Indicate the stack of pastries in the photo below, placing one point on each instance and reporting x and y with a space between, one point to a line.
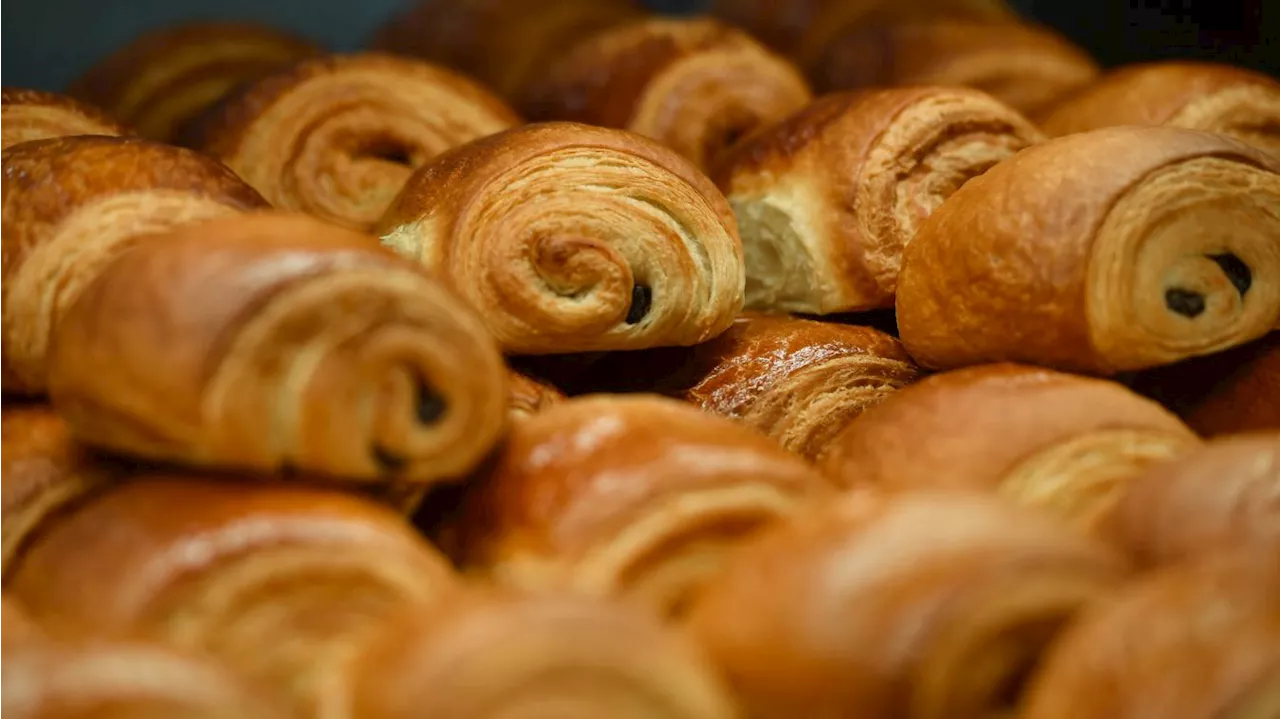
333 388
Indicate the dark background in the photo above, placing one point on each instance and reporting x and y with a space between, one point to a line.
46 43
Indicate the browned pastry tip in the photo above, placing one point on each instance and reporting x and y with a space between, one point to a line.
1065 443
504 43
338 136
71 205
827 199
288 344
1222 496
29 115
163 81
1024 66
508 655
694 84
924 605
529 396
1196 95
572 238
103 679
279 583
1200 641
1112 250
634 496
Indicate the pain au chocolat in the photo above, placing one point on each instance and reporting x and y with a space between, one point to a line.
34 115
1101 252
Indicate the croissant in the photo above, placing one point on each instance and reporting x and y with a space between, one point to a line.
1194 642
1195 95
97 679
529 396
1217 498
33 115
1111 250
633 496
19 629
280 583
288 344
571 238
921 605
337 137
695 84
1024 66
71 205
504 43
1066 443
528 656
163 81
826 200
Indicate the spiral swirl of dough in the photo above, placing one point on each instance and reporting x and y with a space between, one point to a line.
575 238
337 137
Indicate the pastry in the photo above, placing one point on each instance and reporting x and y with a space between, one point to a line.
125 680
827 199
19 629
1106 251
1195 95
1194 642
73 204
547 655
279 583
693 84
1217 498
571 238
529 396
288 344
1042 438
917 605
163 81
337 137
34 115
631 496
504 43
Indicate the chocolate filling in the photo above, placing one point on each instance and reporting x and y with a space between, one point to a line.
1235 270
431 406
641 299
1184 302
388 151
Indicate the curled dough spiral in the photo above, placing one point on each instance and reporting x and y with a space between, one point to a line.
1106 251
918 605
1195 642
633 496
1195 95
695 85
573 238
482 653
73 204
33 115
162 81
287 344
337 137
827 199
1065 443
278 583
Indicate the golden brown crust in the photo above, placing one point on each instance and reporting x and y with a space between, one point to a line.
338 136
288 344
162 81
694 84
277 582
504 43
1043 438
71 205
19 630
34 115
1194 95
1169 253
827 199
1025 66
623 495
627 246
922 605
508 655
1217 498
529 396
1193 642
